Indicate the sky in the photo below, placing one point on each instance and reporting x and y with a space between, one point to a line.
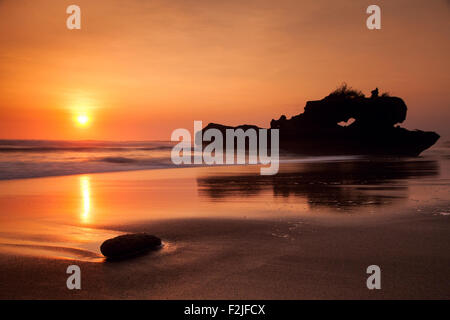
137 70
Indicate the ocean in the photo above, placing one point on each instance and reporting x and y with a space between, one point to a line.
40 158
20 159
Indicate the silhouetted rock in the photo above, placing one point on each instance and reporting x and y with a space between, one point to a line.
374 129
129 245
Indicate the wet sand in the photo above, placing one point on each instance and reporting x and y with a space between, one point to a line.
308 233
236 259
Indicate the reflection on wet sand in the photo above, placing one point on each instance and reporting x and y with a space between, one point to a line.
264 234
86 198
52 231
69 217
347 184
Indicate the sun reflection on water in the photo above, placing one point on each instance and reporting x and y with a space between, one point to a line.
86 198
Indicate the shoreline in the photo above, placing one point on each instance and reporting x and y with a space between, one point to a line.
286 160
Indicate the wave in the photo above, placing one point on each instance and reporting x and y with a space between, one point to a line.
60 252
118 160
41 158
38 146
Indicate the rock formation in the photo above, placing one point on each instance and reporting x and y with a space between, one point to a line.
374 127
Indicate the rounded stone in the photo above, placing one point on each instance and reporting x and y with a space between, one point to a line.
129 245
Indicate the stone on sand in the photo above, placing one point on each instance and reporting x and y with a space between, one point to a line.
129 245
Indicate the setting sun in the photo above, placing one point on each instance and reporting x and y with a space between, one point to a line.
82 120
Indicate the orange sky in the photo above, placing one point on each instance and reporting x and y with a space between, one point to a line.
141 69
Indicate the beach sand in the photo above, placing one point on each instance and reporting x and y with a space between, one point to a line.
308 233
